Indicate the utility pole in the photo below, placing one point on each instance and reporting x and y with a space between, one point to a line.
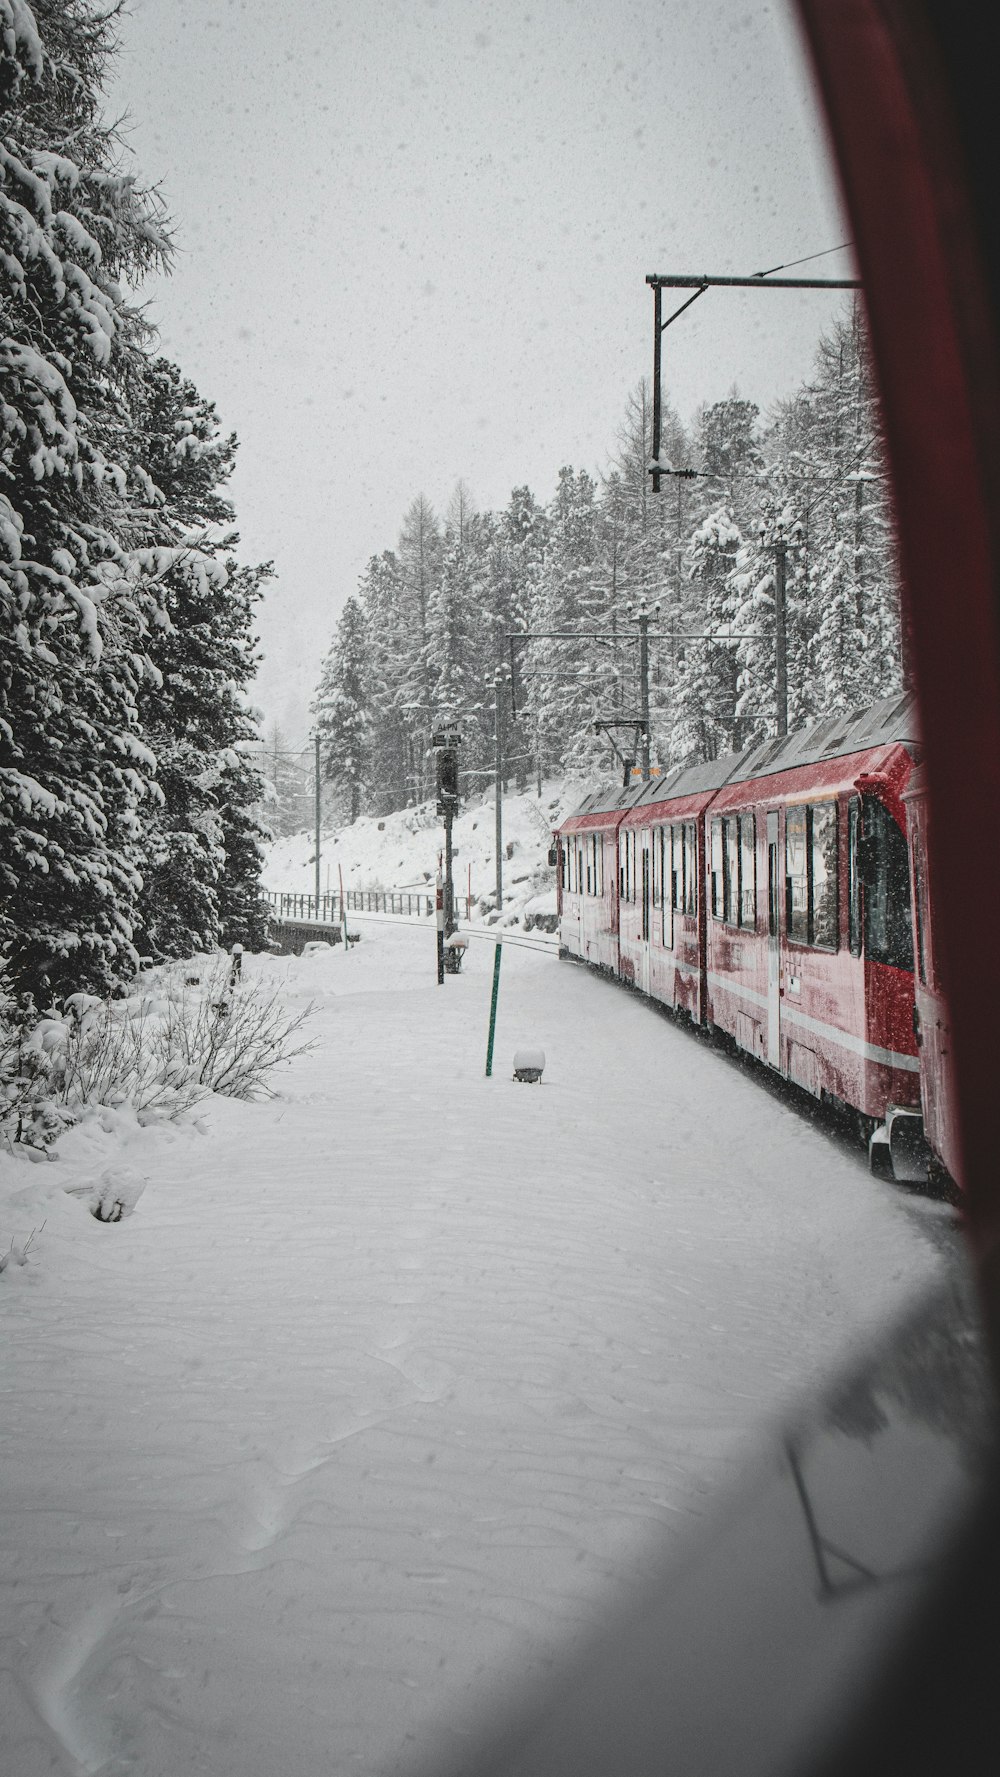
642 617
318 815
780 634
642 614
780 546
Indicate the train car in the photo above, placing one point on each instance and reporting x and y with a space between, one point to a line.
809 947
931 1023
661 872
587 877
767 895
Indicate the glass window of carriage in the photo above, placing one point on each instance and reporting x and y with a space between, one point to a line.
885 872
797 875
824 928
748 872
690 868
854 875
718 869
731 873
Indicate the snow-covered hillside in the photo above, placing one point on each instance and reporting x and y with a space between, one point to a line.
401 852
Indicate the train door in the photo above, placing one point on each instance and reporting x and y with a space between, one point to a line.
773 943
647 892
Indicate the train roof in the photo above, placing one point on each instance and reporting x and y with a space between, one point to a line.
607 799
891 720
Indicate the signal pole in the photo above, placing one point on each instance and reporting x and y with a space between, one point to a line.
446 741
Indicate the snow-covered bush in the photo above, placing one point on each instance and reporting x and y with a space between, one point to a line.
230 1039
158 1052
173 1044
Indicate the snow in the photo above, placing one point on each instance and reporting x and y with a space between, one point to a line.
387 1383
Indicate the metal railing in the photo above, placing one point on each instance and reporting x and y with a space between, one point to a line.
329 909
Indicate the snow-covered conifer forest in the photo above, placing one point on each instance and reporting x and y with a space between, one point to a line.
127 786
420 643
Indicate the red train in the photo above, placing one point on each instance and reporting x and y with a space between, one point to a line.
773 896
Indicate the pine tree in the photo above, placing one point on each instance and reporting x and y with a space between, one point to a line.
283 772
392 768
341 707
419 555
129 639
573 678
75 772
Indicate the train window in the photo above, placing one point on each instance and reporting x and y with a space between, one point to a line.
718 869
628 864
731 870
657 840
748 871
796 876
823 910
854 876
888 926
690 868
599 863
677 868
589 875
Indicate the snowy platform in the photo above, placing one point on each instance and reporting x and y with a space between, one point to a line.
386 1385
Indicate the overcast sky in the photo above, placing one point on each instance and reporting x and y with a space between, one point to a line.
412 241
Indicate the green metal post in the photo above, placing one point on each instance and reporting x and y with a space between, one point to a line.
493 1009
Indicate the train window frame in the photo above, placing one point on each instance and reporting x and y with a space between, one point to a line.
656 845
747 905
803 818
731 870
896 909
855 927
797 912
717 870
827 812
690 843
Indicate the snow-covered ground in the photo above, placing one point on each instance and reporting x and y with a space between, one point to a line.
388 1382
401 851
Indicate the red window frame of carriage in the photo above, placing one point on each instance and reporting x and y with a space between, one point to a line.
905 89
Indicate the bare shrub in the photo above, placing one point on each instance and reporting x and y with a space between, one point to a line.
167 1050
231 1036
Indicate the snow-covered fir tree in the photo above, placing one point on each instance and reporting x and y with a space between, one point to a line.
75 772
284 769
342 707
102 475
